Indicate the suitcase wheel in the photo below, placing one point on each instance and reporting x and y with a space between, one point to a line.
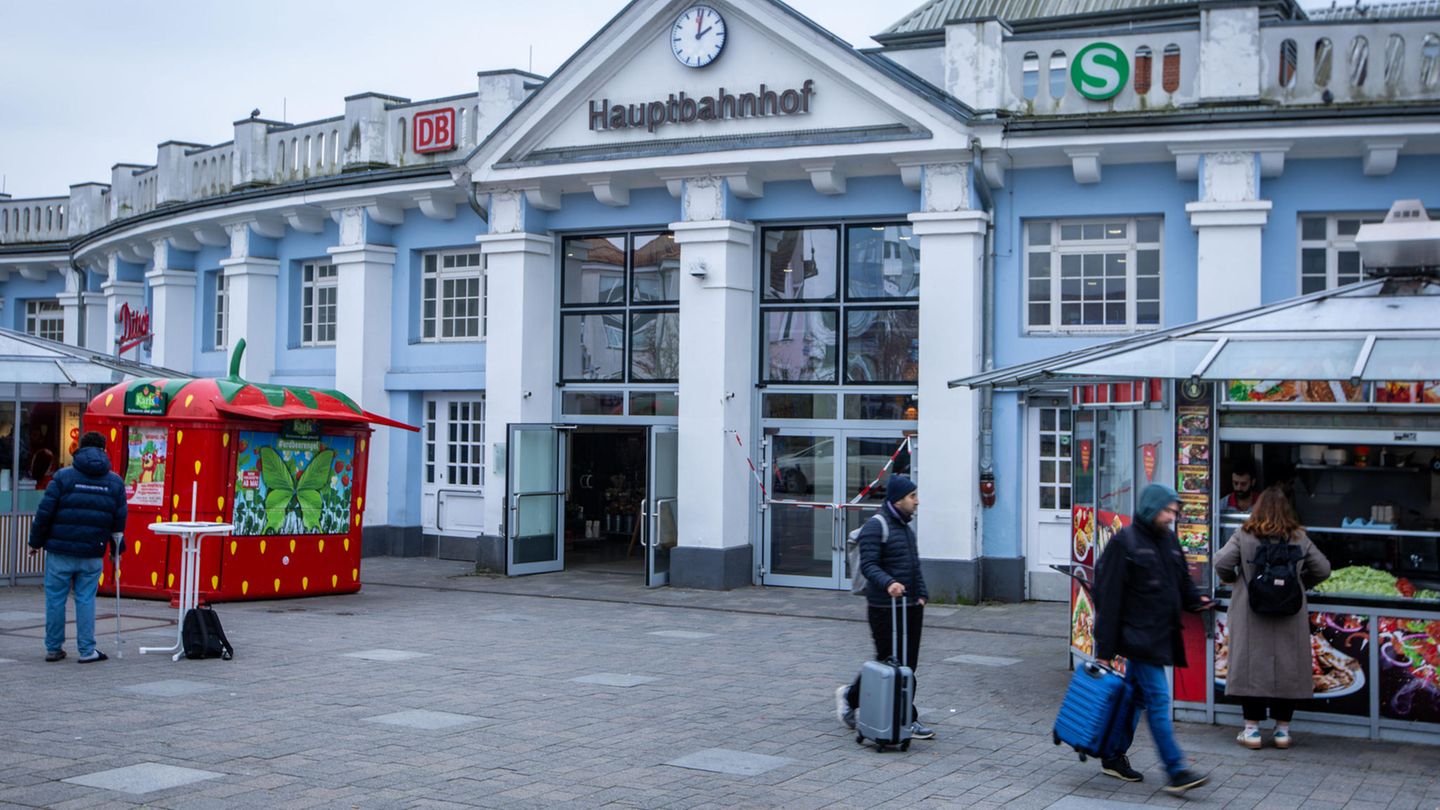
905 746
879 748
1081 755
860 739
1055 737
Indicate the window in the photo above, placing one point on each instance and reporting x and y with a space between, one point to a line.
455 441
319 289
1053 454
1092 275
222 312
45 319
620 308
1328 256
453 302
840 298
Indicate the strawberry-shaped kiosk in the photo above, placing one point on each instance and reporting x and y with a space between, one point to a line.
286 465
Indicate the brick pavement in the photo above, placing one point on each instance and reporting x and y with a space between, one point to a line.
491 713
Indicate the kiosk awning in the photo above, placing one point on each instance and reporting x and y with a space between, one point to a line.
1378 330
25 358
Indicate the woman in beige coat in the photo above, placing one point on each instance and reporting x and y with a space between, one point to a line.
1270 659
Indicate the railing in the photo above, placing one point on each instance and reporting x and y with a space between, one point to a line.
209 171
15 560
310 150
1351 63
32 220
1163 70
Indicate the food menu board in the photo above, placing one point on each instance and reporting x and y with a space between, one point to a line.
1194 420
1410 669
1340 663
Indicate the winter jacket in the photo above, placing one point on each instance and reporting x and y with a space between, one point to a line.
896 559
83 505
1269 656
1142 588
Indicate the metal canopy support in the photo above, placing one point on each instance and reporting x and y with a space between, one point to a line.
1362 360
1209 358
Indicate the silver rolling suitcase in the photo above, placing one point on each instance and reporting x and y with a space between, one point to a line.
887 691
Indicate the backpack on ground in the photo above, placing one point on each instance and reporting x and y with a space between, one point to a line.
852 552
203 636
1276 590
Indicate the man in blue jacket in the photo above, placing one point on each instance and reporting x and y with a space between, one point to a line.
890 560
83 507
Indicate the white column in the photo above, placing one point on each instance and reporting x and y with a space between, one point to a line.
520 369
117 294
92 307
952 245
250 286
717 332
173 295
1228 220
71 308
362 342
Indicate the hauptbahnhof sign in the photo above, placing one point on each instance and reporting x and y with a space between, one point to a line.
682 108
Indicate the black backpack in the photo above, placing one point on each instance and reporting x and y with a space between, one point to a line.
1276 590
203 636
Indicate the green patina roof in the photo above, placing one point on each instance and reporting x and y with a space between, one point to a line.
933 15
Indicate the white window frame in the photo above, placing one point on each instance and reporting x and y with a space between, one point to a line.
467 264
461 451
220 305
1334 244
316 279
1064 454
45 318
1058 248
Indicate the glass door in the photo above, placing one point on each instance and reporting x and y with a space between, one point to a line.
801 511
869 462
535 499
661 531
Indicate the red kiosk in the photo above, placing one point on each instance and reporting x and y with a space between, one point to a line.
285 465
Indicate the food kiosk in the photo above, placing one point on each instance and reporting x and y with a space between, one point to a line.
285 465
1346 421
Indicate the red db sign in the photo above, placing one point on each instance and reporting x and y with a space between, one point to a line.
435 130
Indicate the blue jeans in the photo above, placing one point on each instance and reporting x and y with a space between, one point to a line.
62 573
1152 694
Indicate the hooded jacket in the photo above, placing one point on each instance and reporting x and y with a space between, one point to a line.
893 559
1142 588
83 505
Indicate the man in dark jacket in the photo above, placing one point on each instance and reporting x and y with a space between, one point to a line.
890 560
83 509
1142 587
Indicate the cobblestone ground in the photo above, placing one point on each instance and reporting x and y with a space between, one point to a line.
433 688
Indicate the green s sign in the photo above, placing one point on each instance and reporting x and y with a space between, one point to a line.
1099 71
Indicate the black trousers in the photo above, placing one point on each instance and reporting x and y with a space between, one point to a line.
880 631
1282 709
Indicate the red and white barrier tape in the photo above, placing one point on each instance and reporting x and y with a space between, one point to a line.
888 464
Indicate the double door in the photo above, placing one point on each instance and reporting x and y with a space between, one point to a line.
820 486
536 465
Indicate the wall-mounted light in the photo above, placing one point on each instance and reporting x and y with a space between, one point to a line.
699 269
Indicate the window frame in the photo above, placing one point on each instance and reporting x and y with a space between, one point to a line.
442 274
1057 248
1333 244
1057 486
220 310
311 287
42 311
626 307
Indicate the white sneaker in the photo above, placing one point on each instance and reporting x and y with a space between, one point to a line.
1250 738
1282 738
843 712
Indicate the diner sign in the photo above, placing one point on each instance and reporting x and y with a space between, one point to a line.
134 327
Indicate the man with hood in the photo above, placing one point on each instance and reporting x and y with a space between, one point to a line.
83 508
1142 586
890 561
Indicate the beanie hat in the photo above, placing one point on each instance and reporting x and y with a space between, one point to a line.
898 487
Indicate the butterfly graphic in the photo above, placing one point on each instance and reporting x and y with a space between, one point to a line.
301 494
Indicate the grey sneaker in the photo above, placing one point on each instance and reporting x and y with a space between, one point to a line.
54 655
843 711
920 731
1185 780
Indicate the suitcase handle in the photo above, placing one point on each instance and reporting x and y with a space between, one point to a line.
897 652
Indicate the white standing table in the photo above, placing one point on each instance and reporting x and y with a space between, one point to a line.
190 533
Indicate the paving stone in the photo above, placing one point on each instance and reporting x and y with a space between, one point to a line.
13 616
145 777
685 634
613 679
423 719
982 660
174 687
387 655
735 763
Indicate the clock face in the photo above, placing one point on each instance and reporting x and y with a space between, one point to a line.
698 36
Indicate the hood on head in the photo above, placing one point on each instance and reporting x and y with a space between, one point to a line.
1152 499
92 461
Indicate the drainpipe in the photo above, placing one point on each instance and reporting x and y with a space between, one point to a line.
987 335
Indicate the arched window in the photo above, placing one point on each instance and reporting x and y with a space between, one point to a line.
26 229
5 221
295 164
1170 68
1324 61
1359 61
1059 66
1030 75
399 140
1144 63
280 156
334 148
1289 57
60 217
1430 61
1394 60
49 218
320 150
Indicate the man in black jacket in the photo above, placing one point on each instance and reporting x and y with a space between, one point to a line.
890 560
82 510
1142 586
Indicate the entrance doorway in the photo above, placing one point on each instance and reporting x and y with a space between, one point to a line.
598 497
452 488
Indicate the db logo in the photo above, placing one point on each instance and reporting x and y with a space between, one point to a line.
1099 71
435 130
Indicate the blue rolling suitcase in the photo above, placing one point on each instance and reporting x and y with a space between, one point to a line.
1095 717
887 691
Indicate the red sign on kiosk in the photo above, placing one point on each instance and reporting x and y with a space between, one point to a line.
434 130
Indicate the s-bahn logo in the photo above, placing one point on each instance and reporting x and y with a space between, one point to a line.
1100 71
434 130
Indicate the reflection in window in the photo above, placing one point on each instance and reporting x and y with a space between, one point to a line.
801 346
656 272
594 270
801 264
883 261
882 345
1030 75
655 345
592 346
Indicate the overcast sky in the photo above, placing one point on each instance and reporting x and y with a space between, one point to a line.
85 84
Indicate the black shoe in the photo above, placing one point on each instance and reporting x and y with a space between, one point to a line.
1185 780
54 655
93 657
1119 767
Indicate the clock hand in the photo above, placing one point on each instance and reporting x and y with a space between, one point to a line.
703 33
699 21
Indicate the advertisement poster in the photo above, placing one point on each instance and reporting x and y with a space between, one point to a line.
1340 656
288 484
1192 472
1269 391
145 468
1082 618
1082 536
1410 669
